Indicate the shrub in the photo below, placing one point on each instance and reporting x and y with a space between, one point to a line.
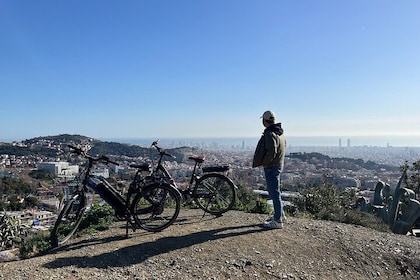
320 201
100 217
245 198
261 207
35 245
325 202
248 201
364 219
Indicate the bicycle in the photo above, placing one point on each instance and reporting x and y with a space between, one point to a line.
213 192
150 204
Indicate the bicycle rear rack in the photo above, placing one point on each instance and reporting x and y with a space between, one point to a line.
221 168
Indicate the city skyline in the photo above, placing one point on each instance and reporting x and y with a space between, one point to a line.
139 69
250 142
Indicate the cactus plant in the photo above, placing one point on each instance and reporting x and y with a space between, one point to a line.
12 232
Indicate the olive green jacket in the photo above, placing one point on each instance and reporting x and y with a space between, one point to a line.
271 148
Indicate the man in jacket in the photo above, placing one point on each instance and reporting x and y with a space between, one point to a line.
269 154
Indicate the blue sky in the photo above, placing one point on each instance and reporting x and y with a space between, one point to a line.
133 69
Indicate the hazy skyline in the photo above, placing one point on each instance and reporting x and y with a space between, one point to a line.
135 69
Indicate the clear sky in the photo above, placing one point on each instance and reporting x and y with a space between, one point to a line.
121 69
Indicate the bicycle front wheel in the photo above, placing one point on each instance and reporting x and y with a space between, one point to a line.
156 207
214 193
69 219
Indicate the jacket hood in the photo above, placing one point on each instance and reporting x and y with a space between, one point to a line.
276 128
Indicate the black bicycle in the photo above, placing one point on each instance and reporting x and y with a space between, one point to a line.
211 190
150 203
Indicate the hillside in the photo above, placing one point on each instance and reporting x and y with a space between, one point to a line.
230 247
56 146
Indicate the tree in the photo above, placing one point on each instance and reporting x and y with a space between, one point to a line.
30 202
15 204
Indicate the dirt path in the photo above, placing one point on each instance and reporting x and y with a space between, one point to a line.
233 246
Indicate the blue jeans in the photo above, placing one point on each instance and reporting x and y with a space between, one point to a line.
272 178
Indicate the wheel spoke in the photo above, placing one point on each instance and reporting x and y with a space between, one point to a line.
68 220
214 193
156 207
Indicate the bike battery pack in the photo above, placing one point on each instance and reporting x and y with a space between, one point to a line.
107 193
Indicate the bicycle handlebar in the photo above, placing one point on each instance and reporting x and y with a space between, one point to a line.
160 150
107 160
79 151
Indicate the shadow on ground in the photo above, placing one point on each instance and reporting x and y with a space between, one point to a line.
138 253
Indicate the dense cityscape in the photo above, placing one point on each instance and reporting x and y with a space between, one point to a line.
359 167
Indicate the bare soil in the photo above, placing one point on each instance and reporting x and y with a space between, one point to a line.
233 246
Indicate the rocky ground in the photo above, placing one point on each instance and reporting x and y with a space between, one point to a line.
233 246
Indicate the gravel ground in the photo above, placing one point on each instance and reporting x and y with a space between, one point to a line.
233 246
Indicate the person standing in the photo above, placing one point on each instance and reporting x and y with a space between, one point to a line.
269 154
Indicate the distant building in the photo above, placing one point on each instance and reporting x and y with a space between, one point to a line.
31 217
60 168
47 199
101 171
44 218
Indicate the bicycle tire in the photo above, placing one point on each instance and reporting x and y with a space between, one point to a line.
156 207
68 220
214 193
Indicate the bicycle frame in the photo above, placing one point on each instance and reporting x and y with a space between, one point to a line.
122 206
106 191
100 185
194 176
160 167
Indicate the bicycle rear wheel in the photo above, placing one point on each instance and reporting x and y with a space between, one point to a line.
156 207
214 193
69 219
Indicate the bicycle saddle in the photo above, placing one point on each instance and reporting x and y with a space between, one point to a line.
197 159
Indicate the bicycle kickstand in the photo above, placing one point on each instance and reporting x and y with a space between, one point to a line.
126 229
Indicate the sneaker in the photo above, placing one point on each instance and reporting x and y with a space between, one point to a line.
282 219
273 224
